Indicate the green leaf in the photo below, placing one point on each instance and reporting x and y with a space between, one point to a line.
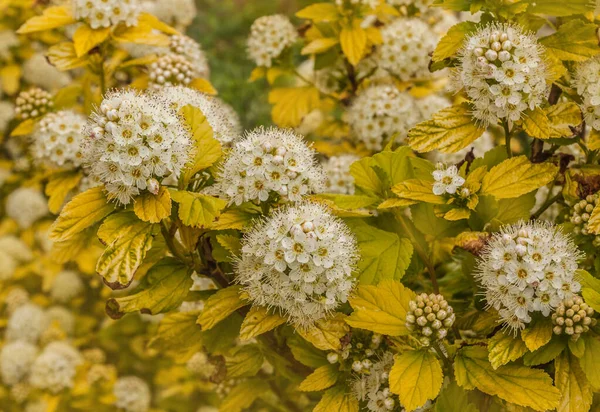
178 335
244 395
383 255
454 399
244 361
577 347
306 353
516 176
428 223
537 334
545 354
81 212
574 40
324 377
365 177
448 131
560 7
381 309
258 321
512 210
338 399
165 287
504 348
353 40
516 384
221 305
231 243
589 360
153 208
416 377
52 18
536 123
326 333
451 43
576 391
197 210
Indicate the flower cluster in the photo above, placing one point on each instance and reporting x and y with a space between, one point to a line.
359 354
54 369
573 317
66 286
431 104
374 388
57 138
447 179
132 394
26 205
580 215
170 70
299 261
269 161
12 252
26 323
339 179
33 103
429 318
134 140
190 49
16 358
502 71
106 13
587 82
528 268
269 36
379 113
405 49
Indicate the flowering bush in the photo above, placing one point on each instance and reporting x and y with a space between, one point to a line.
417 229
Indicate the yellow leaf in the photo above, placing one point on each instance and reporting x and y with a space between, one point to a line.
561 116
504 348
416 377
449 45
197 210
233 219
536 124
589 360
513 383
338 399
58 187
326 333
576 391
81 212
537 334
155 23
86 38
593 140
64 57
381 308
243 395
257 73
449 130
516 176
52 18
24 128
393 202
354 42
457 214
319 12
141 34
319 45
203 85
322 378
153 208
259 321
374 35
10 78
273 74
594 222
221 305
291 104
419 190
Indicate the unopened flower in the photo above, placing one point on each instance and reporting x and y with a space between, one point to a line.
54 369
177 13
339 179
26 205
190 49
587 82
132 394
133 138
579 215
170 70
33 103
573 317
26 323
57 138
528 268
429 318
106 13
269 36
447 179
299 261
405 49
16 358
269 161
502 71
380 113
38 71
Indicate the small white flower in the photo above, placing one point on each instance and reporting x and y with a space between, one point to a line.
54 369
26 205
57 138
339 179
374 387
15 361
586 80
106 13
269 36
132 394
447 179
66 286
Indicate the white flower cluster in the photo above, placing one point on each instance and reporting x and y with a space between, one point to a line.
16 358
502 71
170 70
587 82
374 388
379 113
269 36
54 369
26 205
299 261
339 179
447 179
57 138
26 323
177 13
405 49
12 252
431 104
528 268
132 394
66 286
106 13
15 298
134 140
267 161
190 49
33 103
37 70
222 119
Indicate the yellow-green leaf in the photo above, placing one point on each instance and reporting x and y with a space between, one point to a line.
244 395
326 333
86 38
153 208
319 45
589 360
81 212
178 335
451 43
319 12
258 321
504 347
574 40
593 140
338 399
454 399
10 78
291 104
418 190
58 187
203 85
234 219
244 361
536 123
594 222
561 116
416 377
353 40
537 334
545 354
64 57
197 210
322 378
516 176
141 34
51 18
221 305
24 128
576 391
167 284
513 383
381 308
448 131
560 7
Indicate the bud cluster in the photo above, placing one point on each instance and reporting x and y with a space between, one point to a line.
363 350
33 103
171 70
429 317
573 317
580 215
